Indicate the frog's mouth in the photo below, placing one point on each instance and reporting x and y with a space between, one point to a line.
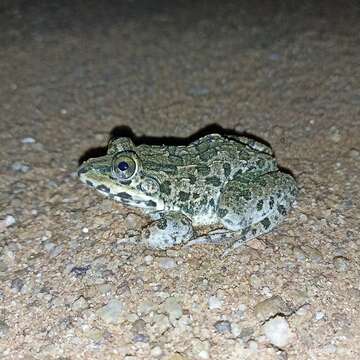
96 173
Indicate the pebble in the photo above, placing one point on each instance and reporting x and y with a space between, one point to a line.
214 302
167 263
278 131
223 326
354 154
144 308
28 140
319 315
148 259
20 167
299 253
110 313
79 271
139 326
141 338
335 134
57 250
235 329
271 307
4 329
8 221
173 308
277 331
16 285
133 221
197 90
160 323
156 351
201 349
341 263
80 304
313 254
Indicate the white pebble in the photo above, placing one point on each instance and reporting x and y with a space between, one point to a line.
148 259
28 140
173 308
8 221
214 302
167 263
110 313
277 331
319 315
85 230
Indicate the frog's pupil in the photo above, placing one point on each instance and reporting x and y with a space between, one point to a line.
123 165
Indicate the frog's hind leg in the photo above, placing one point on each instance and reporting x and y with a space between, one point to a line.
249 208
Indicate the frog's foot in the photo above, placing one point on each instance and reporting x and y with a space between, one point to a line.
171 229
218 236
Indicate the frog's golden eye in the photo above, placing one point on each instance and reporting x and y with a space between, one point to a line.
124 166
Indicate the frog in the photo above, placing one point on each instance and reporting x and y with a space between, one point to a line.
216 189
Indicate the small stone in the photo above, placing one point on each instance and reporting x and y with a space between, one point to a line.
148 259
156 351
20 167
277 331
167 263
271 307
173 308
341 263
201 349
313 254
57 250
252 345
299 253
255 281
141 338
110 313
319 315
79 271
8 221
96 335
354 154
133 221
214 302
278 131
198 90
16 285
85 230
144 308
235 329
28 140
3 266
223 326
330 348
335 134
160 323
139 326
80 304
4 329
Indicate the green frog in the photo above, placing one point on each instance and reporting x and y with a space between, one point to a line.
231 186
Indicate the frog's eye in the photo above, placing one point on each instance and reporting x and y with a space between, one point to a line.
124 166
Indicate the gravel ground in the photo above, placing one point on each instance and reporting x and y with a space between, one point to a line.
287 72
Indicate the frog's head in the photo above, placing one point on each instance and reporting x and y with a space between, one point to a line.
119 175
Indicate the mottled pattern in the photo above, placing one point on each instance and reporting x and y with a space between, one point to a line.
232 182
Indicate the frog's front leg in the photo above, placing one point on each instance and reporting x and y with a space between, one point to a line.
170 229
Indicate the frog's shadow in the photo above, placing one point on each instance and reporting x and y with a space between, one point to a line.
125 131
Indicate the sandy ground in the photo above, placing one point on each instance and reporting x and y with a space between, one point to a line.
287 72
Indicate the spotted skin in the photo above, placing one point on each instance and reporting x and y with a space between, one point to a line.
231 183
